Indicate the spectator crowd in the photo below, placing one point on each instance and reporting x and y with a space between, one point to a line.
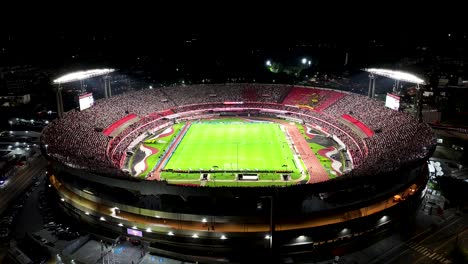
77 139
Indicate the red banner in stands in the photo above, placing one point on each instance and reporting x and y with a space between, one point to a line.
118 123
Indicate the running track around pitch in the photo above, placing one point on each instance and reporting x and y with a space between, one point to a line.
316 171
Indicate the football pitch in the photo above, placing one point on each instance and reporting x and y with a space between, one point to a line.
227 147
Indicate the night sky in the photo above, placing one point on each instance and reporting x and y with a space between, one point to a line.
374 33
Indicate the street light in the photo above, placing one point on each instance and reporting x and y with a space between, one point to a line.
304 60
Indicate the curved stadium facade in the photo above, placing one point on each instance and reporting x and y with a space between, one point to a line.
384 156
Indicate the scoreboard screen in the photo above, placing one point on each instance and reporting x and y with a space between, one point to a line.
392 101
134 232
86 101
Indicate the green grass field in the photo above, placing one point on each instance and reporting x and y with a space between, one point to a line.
230 146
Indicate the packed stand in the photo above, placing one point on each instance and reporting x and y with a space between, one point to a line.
398 137
87 150
318 99
77 139
238 92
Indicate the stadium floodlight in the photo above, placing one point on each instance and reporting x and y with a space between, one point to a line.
396 75
81 75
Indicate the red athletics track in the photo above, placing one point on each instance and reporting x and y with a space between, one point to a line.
316 171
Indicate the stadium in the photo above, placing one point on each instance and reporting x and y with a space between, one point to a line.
221 172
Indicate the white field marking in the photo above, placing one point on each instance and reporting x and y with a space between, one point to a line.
336 165
308 129
140 166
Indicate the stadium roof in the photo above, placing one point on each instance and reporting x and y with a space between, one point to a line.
81 75
397 75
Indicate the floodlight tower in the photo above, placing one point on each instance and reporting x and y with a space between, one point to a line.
371 90
58 97
83 90
398 76
80 76
107 86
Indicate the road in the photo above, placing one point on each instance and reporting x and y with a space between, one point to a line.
431 246
432 240
18 183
